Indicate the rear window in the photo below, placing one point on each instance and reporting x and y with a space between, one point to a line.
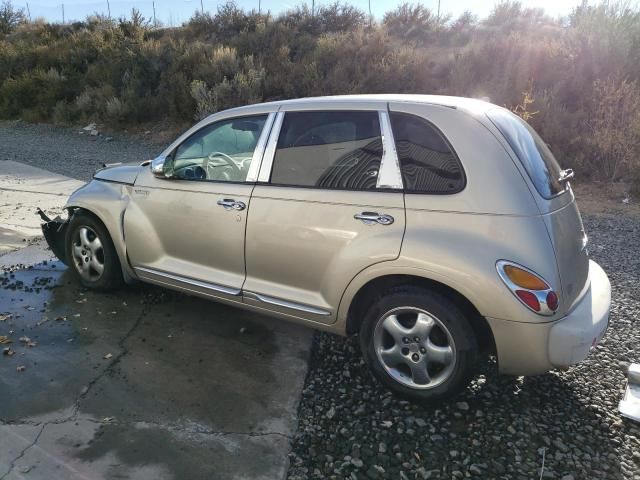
334 149
535 156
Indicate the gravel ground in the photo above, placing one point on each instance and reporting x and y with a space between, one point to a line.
66 151
501 427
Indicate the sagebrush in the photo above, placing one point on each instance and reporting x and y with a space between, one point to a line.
577 77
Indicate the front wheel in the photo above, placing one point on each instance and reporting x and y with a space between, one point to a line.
419 344
92 257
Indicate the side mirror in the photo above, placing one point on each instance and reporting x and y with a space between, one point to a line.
158 167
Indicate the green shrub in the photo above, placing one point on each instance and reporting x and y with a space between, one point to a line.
581 73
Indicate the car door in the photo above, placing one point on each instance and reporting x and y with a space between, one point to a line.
186 228
328 204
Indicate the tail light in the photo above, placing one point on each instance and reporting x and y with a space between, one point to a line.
528 287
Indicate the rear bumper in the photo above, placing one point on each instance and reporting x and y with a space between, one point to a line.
534 348
571 338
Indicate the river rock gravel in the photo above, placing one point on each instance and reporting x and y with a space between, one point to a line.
68 152
562 425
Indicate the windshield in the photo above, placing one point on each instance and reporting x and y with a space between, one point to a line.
535 156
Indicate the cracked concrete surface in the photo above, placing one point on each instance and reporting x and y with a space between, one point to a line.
142 383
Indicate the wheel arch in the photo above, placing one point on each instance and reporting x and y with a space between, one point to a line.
112 219
363 295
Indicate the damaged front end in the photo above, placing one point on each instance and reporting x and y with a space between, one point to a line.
55 232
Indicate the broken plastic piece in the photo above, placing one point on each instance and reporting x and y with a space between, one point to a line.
630 404
54 233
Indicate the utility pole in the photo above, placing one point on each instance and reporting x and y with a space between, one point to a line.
438 10
313 7
63 22
28 11
201 7
259 9
155 24
370 17
109 9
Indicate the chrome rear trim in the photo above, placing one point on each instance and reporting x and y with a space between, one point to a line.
389 175
286 304
190 281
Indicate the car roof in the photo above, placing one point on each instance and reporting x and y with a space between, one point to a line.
462 103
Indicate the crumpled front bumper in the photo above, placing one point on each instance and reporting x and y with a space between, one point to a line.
55 232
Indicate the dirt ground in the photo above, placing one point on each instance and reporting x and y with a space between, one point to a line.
603 197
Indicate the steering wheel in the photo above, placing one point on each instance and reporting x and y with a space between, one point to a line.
226 158
228 176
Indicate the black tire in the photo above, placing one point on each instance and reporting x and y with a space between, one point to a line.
457 374
111 277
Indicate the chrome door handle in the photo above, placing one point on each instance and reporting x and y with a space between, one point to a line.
369 218
231 204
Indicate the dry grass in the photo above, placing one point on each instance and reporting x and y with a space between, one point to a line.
605 198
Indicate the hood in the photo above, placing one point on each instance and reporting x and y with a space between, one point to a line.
120 172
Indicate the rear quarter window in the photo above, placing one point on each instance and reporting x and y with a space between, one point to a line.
427 162
533 153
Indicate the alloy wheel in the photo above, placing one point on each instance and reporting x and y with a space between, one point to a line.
88 254
414 347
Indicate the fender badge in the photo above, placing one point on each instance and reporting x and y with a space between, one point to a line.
139 191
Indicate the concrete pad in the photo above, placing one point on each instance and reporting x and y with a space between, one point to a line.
89 450
142 383
22 189
196 346
36 251
73 331
14 440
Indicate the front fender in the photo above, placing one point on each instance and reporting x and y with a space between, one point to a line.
107 201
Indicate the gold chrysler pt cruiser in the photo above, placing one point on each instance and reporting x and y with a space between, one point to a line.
437 228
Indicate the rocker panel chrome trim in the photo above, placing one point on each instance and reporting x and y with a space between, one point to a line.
285 303
190 281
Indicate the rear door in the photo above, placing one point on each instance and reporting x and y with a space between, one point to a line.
555 199
328 204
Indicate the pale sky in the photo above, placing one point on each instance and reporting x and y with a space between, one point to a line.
174 12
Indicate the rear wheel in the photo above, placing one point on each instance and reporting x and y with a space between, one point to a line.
419 344
92 257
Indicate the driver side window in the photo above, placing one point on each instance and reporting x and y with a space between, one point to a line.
221 151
